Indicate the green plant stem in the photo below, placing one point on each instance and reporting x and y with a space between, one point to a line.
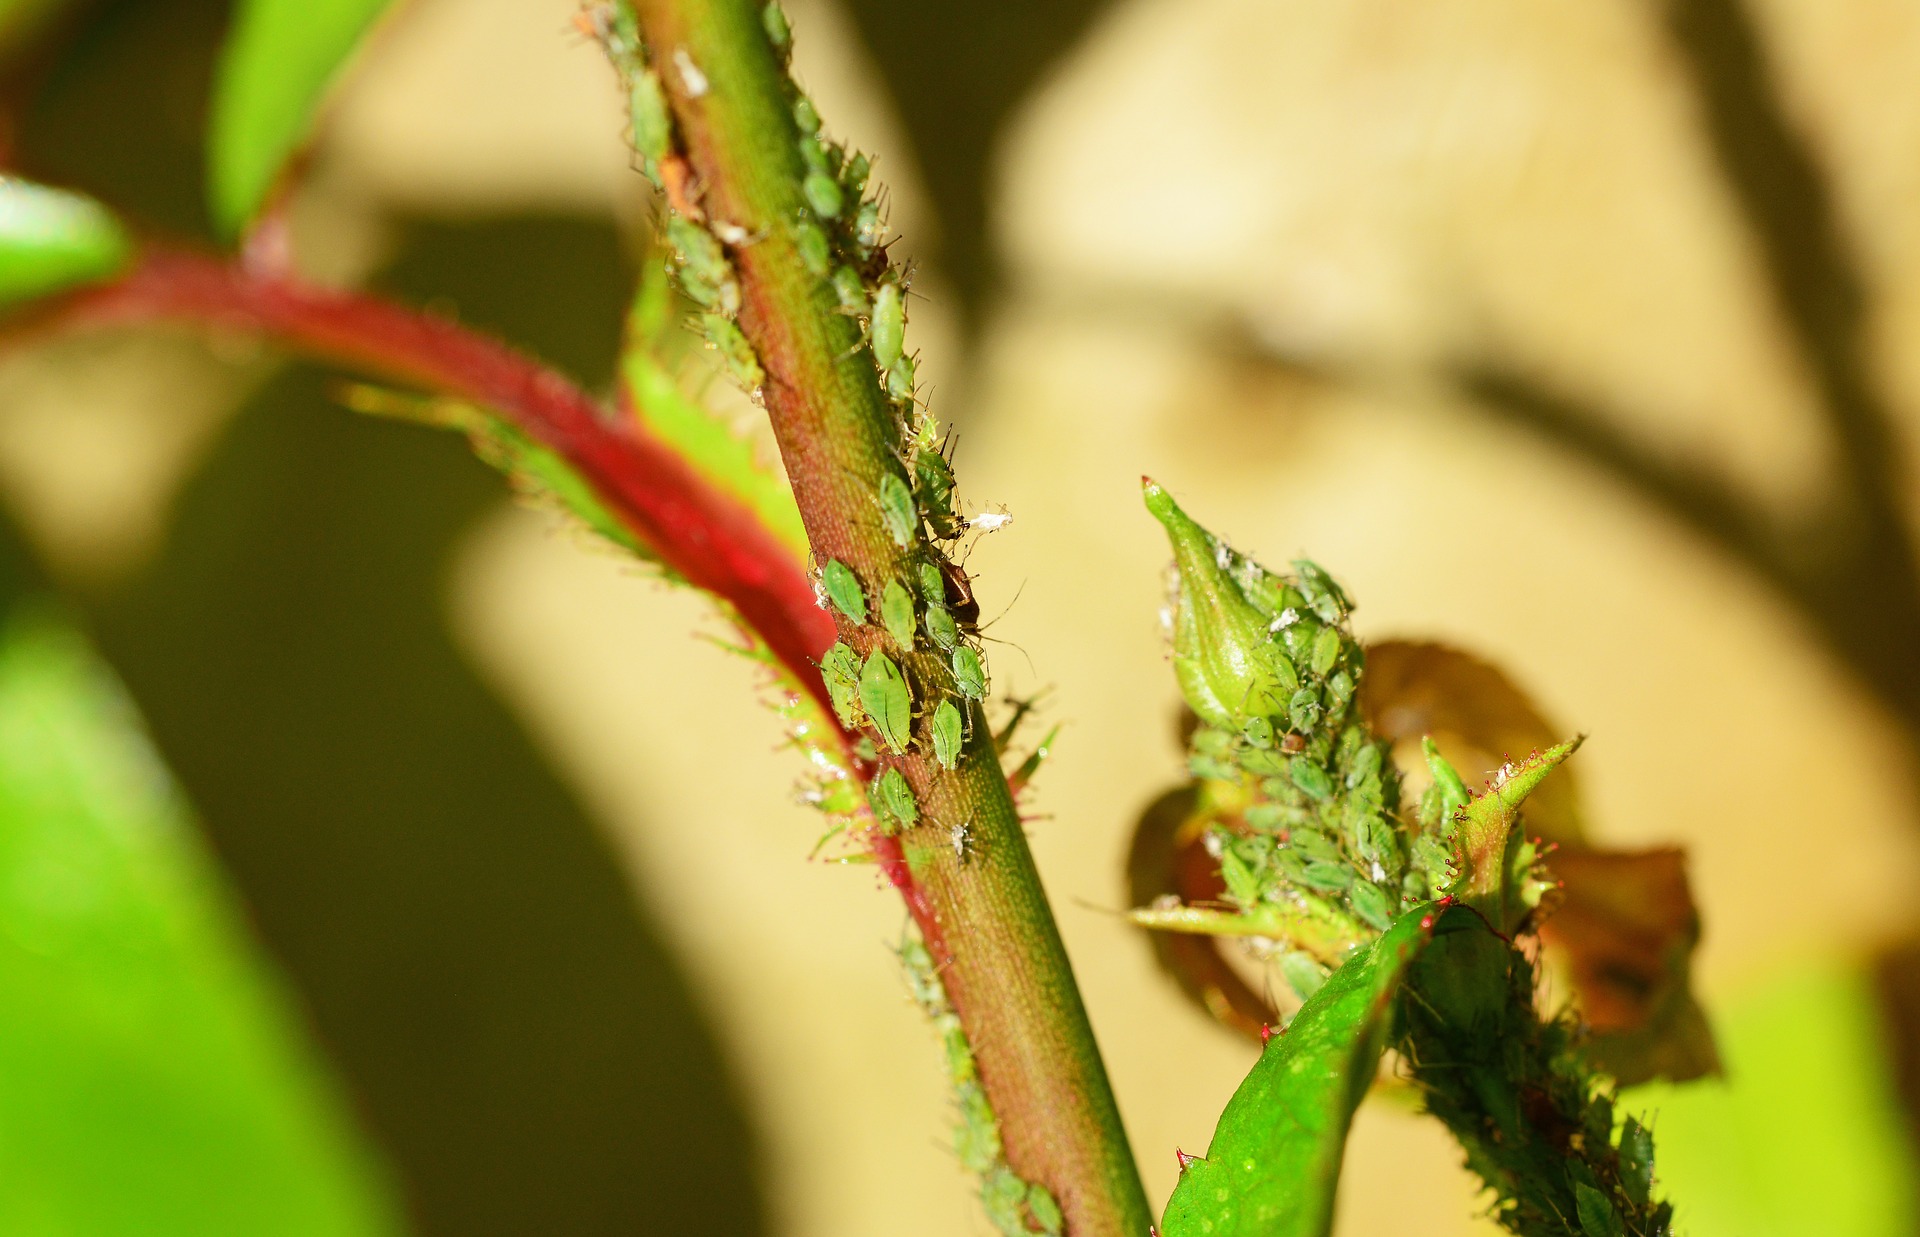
999 950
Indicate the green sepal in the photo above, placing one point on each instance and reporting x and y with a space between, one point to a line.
701 438
536 471
1492 861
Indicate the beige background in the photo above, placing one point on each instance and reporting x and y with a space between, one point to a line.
1374 188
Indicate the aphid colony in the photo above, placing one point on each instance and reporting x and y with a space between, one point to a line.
1016 1207
1306 800
838 236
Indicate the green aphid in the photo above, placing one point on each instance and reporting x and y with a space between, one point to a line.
843 590
896 613
805 116
892 801
1340 688
815 254
968 674
849 291
1302 973
1213 741
953 1039
652 122
1258 731
1431 858
1315 845
705 274
884 695
841 670
1326 650
900 379
1303 710
1044 1210
1242 886
932 585
1328 877
935 491
1264 589
1316 585
1311 778
940 625
897 510
935 475
1369 902
1365 764
1263 761
741 360
889 327
1298 638
859 168
823 194
1268 817
1283 669
774 20
1003 1196
949 734
867 227
816 154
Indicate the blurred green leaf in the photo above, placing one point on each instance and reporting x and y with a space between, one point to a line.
1804 1134
51 240
279 61
22 20
1274 1163
154 1080
706 442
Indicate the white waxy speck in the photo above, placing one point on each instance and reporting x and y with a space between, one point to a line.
1379 873
1288 617
731 233
990 521
692 80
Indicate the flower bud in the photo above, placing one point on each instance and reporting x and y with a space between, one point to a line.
1223 654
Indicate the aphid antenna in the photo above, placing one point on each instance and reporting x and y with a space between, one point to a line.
980 628
1020 649
1414 994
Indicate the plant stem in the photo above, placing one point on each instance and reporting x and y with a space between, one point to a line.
694 529
704 535
1002 962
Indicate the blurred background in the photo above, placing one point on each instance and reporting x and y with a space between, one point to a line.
378 857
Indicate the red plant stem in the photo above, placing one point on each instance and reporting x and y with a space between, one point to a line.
697 531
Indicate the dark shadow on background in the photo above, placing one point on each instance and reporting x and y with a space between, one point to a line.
503 1012
517 1037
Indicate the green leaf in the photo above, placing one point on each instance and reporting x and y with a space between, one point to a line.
280 58
706 442
537 472
157 1078
1274 1163
51 240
